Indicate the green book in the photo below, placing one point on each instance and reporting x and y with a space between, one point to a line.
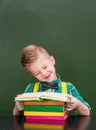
44 108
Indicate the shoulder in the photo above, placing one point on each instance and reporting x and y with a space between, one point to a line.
70 86
30 87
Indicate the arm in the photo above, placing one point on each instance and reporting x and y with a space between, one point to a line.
83 109
77 104
19 106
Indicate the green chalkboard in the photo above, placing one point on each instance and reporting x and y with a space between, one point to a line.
66 28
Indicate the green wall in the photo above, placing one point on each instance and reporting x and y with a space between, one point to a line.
66 28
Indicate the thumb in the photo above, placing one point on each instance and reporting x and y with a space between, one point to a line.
19 95
69 96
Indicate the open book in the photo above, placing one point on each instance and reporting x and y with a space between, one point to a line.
39 96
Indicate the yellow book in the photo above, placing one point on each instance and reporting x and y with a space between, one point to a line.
33 113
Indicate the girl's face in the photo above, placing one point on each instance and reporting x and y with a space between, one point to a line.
43 69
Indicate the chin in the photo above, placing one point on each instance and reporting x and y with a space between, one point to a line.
49 80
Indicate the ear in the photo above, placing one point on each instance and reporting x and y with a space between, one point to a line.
52 60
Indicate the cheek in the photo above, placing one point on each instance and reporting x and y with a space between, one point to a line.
53 69
39 77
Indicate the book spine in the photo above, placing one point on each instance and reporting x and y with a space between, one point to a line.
35 113
44 108
45 118
43 103
47 122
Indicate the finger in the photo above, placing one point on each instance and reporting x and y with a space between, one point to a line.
68 109
69 96
20 105
19 95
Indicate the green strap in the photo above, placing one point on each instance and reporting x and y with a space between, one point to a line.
64 87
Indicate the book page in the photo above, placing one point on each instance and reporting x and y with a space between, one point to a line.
55 96
42 95
29 96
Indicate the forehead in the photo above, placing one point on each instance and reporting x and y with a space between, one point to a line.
37 64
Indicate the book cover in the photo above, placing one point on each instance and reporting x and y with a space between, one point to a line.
58 118
35 113
44 108
43 103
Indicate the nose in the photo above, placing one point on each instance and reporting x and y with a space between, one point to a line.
43 72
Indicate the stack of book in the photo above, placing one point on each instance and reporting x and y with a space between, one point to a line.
44 107
44 111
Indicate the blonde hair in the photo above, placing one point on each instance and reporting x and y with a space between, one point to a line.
31 53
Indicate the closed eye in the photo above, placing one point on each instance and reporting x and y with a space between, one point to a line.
44 67
36 74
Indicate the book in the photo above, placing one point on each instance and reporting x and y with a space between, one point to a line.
43 103
39 96
35 113
31 118
46 121
44 108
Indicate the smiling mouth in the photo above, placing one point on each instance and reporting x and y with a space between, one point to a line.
47 76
